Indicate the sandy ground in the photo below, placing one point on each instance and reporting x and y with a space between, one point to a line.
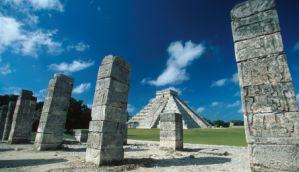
143 156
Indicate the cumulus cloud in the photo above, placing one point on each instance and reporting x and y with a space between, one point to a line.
234 104
41 94
75 66
36 4
11 90
13 36
200 109
130 109
180 57
5 69
222 82
81 46
215 104
81 88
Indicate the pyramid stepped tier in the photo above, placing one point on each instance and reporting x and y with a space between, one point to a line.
166 101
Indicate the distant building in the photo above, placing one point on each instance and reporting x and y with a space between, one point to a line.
166 101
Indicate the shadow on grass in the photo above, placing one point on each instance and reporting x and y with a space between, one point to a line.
186 161
28 162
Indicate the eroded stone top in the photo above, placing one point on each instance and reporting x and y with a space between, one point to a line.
251 7
166 93
63 77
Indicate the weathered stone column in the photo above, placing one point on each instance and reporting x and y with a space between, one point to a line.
52 121
109 112
8 121
269 103
81 135
171 131
23 118
3 114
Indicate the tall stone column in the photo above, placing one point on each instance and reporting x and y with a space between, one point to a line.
3 113
23 118
52 121
269 103
109 112
8 121
171 131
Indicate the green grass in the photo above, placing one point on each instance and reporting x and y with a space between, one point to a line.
225 136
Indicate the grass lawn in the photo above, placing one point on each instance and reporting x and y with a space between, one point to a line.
224 136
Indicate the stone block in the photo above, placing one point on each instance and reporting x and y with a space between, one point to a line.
171 145
272 69
105 156
256 25
98 140
266 98
8 121
81 135
107 127
170 117
107 97
109 113
266 158
257 47
247 8
53 117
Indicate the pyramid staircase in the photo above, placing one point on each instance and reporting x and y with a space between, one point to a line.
166 101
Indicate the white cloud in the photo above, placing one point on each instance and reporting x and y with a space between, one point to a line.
237 94
234 104
81 88
297 98
11 90
130 109
81 46
215 104
200 109
36 4
296 47
5 69
221 82
181 56
13 36
41 94
75 66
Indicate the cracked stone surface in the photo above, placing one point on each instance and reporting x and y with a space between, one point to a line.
269 102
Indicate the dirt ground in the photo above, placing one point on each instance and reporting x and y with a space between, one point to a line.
141 156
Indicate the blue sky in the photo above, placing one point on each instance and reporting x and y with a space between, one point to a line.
186 45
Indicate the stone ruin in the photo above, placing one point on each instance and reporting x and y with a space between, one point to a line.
8 121
52 121
269 104
167 101
3 114
171 131
22 118
109 112
81 135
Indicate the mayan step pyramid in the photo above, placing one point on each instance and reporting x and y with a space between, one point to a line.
166 101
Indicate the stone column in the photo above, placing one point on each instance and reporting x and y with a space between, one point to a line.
52 121
8 121
3 114
109 112
171 131
23 118
81 135
269 103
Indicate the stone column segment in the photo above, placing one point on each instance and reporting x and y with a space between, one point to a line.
52 121
3 115
8 121
23 118
109 112
268 98
171 131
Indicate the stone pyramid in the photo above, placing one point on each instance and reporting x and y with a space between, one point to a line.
166 101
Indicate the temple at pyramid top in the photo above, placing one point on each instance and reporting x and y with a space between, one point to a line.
166 101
